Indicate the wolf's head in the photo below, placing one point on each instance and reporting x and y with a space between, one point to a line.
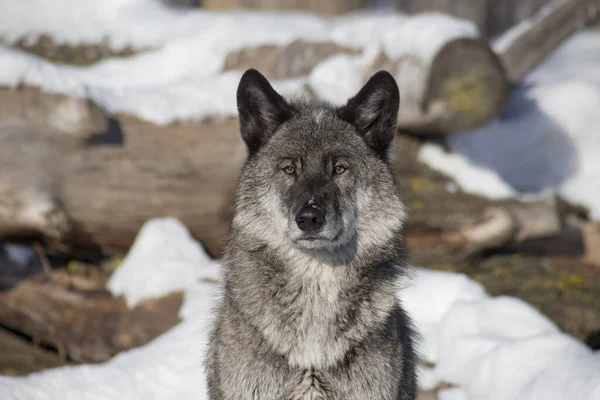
318 177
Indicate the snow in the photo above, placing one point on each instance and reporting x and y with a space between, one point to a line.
552 143
340 77
164 258
495 347
492 348
548 138
470 178
142 24
577 59
179 75
421 35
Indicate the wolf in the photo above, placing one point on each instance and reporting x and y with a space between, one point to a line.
309 308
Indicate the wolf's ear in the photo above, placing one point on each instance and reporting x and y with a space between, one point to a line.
374 111
261 109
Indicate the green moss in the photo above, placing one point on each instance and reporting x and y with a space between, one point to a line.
465 94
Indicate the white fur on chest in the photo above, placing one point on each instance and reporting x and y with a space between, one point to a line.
316 308
308 388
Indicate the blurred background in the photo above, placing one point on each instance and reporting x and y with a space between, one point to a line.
116 113
492 17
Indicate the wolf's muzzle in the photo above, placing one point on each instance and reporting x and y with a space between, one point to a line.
310 218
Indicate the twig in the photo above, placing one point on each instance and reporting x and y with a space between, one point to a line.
43 258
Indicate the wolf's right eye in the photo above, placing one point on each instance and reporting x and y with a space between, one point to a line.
339 169
290 170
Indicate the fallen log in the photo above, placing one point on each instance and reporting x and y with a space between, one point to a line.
462 87
85 324
526 227
94 196
280 62
466 83
457 87
87 195
531 41
590 232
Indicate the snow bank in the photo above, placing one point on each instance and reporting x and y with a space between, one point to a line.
547 140
142 24
495 348
180 77
492 348
341 76
164 258
577 59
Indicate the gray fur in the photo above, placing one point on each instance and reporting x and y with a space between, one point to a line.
314 315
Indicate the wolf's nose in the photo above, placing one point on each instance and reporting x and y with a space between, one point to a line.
310 219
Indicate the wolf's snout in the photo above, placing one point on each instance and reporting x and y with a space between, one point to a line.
310 218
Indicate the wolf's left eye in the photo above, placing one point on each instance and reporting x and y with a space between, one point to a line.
290 170
339 169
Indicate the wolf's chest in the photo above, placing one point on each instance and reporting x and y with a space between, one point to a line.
315 311
309 387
